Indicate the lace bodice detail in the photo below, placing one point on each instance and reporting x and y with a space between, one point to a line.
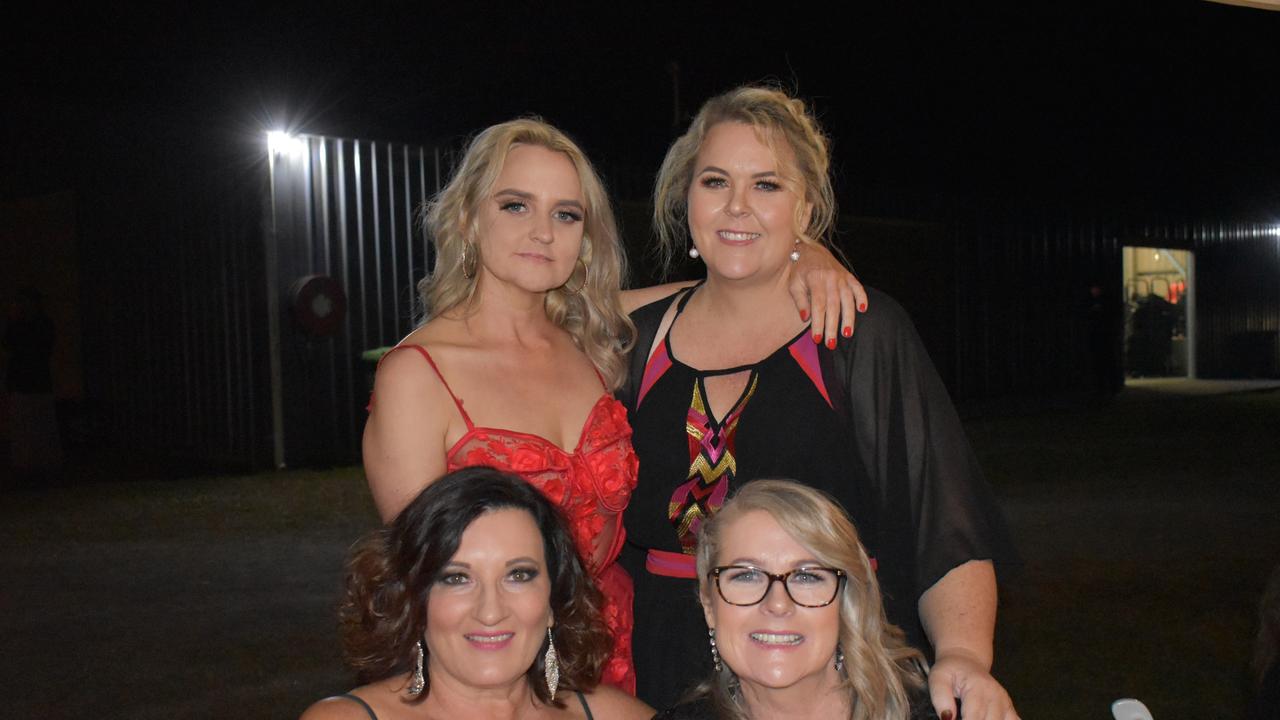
591 484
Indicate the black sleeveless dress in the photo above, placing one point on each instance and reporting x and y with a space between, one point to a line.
869 423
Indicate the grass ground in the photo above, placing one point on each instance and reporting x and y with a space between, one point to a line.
1147 528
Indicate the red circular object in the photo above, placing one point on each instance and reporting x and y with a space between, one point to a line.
318 304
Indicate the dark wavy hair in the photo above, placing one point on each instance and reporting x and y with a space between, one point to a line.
391 571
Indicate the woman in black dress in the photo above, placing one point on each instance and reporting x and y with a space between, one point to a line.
727 384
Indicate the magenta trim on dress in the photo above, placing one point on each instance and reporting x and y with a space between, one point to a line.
805 352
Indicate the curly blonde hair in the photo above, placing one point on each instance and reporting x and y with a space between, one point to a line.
593 316
880 670
780 120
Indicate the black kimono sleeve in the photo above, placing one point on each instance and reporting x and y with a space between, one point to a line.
934 509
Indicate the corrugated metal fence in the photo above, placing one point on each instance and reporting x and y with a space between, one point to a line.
192 345
171 293
346 210
1002 307
195 345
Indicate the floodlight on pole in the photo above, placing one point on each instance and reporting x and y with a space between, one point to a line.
282 143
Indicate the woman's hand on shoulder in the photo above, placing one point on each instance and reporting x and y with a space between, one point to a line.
404 437
335 708
610 702
982 697
826 294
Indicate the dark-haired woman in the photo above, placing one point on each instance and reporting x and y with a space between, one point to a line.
473 603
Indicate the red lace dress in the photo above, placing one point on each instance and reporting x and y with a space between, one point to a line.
591 485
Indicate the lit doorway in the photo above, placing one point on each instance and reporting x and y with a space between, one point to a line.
1159 327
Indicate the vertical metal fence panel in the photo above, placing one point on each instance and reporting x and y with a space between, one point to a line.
175 300
1020 329
372 255
197 351
1238 305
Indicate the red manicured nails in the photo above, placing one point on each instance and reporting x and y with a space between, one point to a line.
817 338
831 343
847 331
804 316
862 307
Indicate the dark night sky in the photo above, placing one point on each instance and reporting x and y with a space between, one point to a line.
1171 107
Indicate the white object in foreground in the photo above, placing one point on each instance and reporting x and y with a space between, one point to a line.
1130 709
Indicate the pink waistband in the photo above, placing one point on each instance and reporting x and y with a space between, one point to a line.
671 564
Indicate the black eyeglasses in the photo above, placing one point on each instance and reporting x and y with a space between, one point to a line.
810 587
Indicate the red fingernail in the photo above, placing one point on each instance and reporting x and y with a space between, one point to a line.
847 331
817 338
946 715
831 343
804 315
862 307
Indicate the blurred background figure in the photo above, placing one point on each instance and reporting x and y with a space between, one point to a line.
1105 315
1266 653
35 449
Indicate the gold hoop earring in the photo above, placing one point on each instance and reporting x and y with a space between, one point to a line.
473 257
583 284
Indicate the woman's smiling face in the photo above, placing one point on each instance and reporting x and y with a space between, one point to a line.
775 643
489 610
743 203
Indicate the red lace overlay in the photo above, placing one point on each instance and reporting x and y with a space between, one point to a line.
591 484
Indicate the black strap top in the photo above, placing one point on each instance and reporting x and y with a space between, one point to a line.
373 716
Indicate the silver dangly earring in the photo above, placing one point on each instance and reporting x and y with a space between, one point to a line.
693 253
551 663
795 254
839 658
419 683
715 653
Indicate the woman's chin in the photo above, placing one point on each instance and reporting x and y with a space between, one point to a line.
744 272
771 677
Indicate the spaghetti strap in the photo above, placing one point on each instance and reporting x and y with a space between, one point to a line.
585 707
362 703
680 305
426 355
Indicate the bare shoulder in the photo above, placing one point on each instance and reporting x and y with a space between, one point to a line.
406 370
335 708
610 702
405 436
406 388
